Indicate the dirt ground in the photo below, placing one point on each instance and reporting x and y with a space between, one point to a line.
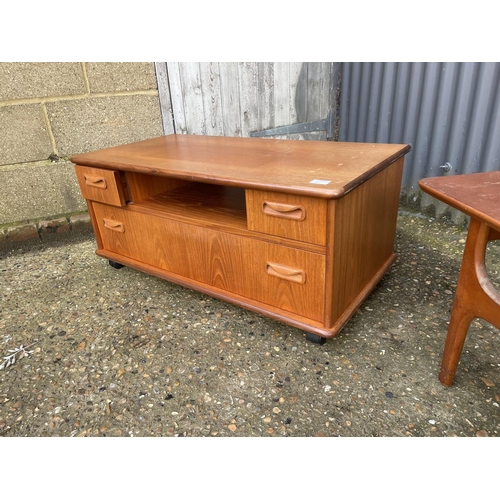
120 353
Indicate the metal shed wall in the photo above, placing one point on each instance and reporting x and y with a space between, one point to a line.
448 112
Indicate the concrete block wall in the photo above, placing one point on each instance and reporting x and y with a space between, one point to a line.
51 111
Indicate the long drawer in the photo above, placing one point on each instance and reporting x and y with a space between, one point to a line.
277 275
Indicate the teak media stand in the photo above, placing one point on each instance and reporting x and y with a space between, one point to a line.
299 231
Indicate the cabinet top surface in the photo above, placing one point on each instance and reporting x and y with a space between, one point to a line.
325 169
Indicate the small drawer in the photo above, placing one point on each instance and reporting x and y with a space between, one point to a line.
291 216
101 185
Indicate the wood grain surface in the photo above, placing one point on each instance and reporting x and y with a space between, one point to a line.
477 194
363 239
99 184
322 169
223 260
291 216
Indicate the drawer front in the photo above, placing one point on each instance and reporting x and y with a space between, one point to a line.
283 277
290 216
101 185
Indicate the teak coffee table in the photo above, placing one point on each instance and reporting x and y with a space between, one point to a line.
299 231
477 195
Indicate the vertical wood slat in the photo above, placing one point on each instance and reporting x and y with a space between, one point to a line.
265 87
317 93
176 96
212 99
164 96
248 97
314 92
282 94
294 72
193 98
230 99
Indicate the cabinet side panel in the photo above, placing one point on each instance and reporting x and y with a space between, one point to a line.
363 241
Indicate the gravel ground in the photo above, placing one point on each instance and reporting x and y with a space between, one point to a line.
120 353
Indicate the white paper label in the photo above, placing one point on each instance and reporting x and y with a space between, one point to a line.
319 181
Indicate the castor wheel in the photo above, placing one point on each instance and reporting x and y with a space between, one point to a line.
114 264
316 339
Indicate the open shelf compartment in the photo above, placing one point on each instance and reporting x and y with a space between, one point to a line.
200 203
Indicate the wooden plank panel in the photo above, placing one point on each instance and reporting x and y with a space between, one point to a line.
312 99
164 96
295 72
212 99
282 94
317 96
178 106
248 81
234 99
294 69
192 94
265 87
230 97
314 91
326 72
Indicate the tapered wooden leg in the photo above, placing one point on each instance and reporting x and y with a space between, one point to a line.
457 331
475 298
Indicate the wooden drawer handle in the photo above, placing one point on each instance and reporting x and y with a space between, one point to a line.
286 273
293 212
94 181
114 225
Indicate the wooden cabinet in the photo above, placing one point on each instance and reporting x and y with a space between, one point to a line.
300 231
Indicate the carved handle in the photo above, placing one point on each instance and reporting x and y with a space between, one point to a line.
94 181
293 212
286 273
114 225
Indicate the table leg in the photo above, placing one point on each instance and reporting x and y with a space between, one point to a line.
475 297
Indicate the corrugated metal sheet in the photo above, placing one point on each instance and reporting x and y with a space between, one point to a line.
448 112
